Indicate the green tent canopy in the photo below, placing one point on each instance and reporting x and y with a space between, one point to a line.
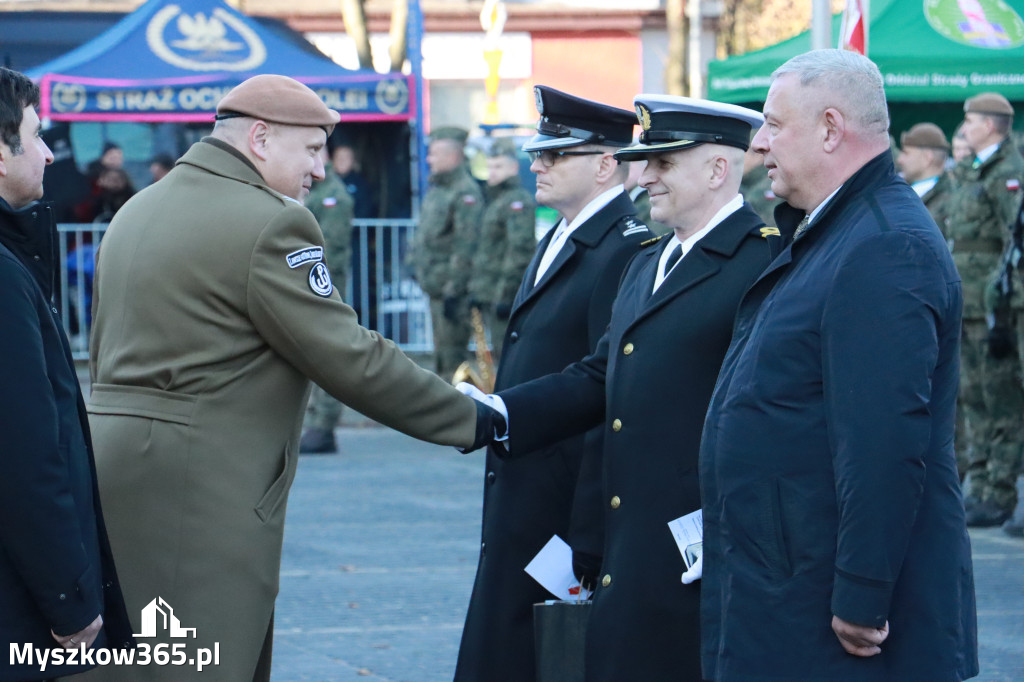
929 51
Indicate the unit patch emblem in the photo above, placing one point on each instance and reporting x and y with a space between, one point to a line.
320 280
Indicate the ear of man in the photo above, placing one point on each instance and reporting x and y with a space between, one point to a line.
835 129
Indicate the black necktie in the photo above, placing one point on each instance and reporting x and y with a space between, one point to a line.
673 258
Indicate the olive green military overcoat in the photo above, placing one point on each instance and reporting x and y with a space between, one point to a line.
214 311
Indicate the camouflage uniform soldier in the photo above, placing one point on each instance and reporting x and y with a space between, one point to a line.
756 187
507 241
442 249
333 207
922 160
979 214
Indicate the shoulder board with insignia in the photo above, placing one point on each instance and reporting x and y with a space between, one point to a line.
655 240
633 226
769 231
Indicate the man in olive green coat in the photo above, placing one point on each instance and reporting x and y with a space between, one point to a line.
442 248
507 241
333 207
979 213
214 310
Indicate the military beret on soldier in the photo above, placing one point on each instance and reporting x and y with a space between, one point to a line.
927 135
669 123
991 103
569 121
278 99
504 146
453 133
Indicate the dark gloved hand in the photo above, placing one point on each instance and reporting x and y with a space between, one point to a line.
451 308
503 311
586 567
1001 343
489 425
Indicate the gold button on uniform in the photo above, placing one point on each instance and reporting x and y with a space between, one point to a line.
616 425
627 349
606 581
616 502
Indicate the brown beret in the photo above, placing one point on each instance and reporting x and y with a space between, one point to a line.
926 135
457 135
989 103
504 146
278 99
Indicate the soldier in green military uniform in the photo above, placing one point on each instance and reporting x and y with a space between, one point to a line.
979 214
756 187
507 240
924 150
444 245
333 207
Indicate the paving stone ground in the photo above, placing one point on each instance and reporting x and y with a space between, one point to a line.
380 552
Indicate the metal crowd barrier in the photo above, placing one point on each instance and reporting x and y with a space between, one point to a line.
379 286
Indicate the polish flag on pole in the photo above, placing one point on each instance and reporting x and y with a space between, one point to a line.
853 35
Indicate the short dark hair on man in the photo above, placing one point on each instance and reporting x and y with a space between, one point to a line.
17 91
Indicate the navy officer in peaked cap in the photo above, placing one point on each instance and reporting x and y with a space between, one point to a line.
558 315
649 382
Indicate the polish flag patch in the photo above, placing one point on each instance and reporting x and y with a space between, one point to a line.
1013 184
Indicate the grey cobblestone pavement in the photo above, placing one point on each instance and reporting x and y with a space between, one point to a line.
380 552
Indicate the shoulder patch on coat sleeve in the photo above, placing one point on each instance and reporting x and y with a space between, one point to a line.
1013 184
320 280
330 201
312 254
516 206
468 199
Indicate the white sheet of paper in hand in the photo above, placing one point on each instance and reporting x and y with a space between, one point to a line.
688 530
552 568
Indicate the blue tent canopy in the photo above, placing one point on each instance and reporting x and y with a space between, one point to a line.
173 60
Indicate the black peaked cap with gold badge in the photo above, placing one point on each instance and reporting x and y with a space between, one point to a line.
569 121
669 123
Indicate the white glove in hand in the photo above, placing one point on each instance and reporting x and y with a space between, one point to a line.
695 572
489 399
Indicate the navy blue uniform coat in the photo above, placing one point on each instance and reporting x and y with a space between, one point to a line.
56 570
552 324
649 381
827 469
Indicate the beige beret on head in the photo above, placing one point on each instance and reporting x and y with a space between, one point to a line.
278 99
989 103
926 135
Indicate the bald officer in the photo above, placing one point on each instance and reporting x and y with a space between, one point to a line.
215 310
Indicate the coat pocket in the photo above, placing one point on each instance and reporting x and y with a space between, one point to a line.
136 401
277 493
